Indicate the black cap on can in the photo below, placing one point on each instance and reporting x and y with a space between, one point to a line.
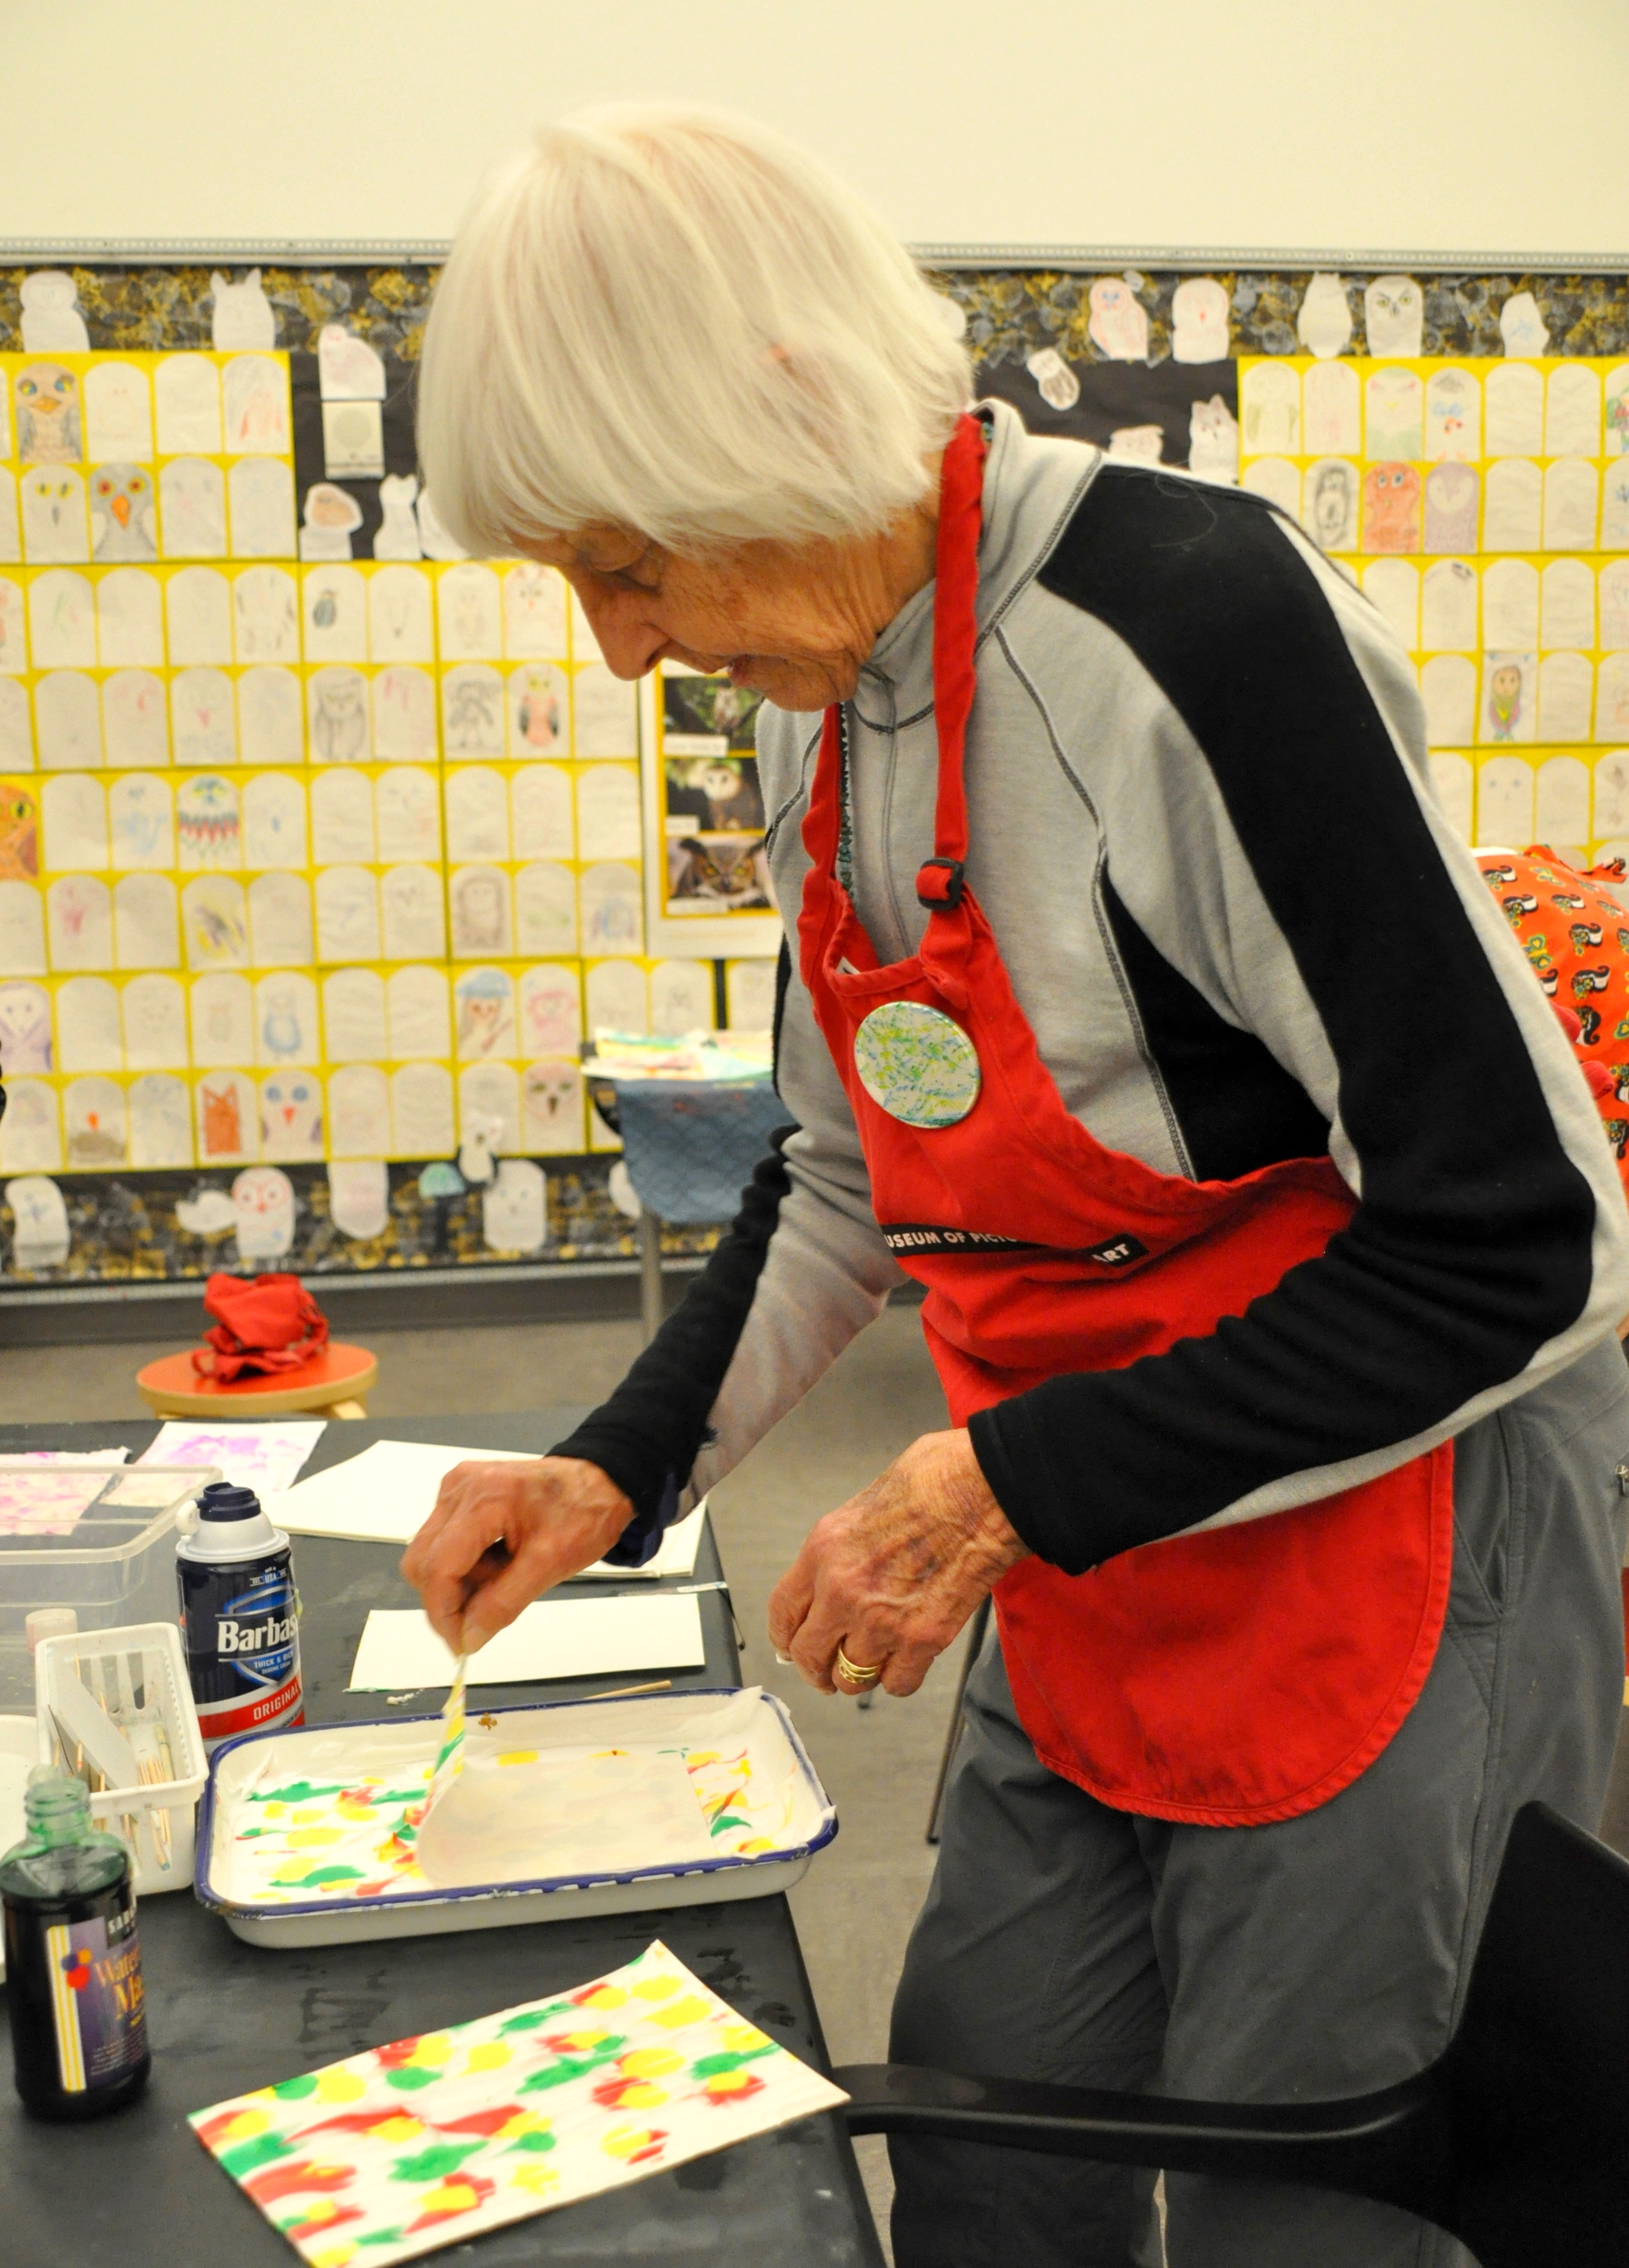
226 1500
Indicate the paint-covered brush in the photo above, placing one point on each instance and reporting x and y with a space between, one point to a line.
450 1756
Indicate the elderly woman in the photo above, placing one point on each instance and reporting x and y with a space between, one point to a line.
1138 1001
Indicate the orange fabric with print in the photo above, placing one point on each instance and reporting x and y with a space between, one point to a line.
1576 938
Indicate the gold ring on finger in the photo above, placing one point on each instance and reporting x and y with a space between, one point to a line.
855 1672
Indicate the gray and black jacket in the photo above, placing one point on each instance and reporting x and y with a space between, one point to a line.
1203 830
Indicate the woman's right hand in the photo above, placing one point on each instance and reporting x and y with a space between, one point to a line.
500 1534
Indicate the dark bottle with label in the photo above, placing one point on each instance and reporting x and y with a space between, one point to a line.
73 1962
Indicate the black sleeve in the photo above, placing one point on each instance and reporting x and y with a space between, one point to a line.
1470 1256
649 1433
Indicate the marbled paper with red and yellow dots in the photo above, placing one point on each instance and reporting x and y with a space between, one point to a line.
1574 928
429 2141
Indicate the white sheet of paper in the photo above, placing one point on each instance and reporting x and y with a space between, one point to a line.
384 1494
557 1638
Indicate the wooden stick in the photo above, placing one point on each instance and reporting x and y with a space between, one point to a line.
625 1692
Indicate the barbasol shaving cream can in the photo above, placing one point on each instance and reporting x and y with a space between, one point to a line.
240 1617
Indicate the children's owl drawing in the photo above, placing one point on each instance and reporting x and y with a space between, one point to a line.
48 416
290 1116
1117 325
19 832
242 315
124 519
24 1029
53 516
1394 316
52 323
1391 508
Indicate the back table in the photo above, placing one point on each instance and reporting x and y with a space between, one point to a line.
137 2191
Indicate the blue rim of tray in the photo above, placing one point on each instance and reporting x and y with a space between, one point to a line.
293 1910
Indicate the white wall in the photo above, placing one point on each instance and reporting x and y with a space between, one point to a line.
1491 126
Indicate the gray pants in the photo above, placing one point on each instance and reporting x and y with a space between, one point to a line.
1318 1957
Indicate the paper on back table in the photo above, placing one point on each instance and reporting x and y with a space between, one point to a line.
265 1457
557 1638
384 1494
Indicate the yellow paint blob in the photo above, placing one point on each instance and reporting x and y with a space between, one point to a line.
319 2210
246 2126
641 2095
519 1756
749 1850
315 1838
355 1809
625 2141
340 2086
744 2037
609 1996
307 1815
434 2049
677 2014
656 1988
649 2063
732 2082
578 2043
455 2196
492 2055
536 2181
402 2128
330 2255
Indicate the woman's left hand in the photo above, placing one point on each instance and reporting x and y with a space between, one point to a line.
893 1574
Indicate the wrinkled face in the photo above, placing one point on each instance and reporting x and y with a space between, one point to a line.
793 622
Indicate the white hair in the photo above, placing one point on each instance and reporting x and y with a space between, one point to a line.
682 324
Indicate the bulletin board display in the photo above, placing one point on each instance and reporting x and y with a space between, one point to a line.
321 845
1484 506
302 857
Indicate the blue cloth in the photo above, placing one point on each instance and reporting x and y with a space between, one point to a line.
690 1146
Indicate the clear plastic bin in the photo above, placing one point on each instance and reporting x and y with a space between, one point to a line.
98 1538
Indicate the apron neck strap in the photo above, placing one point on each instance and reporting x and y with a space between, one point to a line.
955 593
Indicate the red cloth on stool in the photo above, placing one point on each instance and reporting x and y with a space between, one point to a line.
263 1323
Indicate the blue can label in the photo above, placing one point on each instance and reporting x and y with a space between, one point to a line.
242 1635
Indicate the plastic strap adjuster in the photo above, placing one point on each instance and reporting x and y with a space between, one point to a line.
939 884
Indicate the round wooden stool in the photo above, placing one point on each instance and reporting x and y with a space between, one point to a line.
335 1380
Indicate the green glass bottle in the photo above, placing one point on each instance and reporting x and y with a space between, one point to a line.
73 1961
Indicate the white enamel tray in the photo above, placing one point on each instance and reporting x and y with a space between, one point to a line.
791 1818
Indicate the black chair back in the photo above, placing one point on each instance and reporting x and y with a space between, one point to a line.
1515 2141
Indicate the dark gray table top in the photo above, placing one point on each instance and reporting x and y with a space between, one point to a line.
138 2189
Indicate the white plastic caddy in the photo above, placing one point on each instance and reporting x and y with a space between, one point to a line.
102 1687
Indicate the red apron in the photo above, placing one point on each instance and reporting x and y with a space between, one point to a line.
1231 1677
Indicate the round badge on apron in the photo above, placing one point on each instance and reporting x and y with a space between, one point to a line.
917 1063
